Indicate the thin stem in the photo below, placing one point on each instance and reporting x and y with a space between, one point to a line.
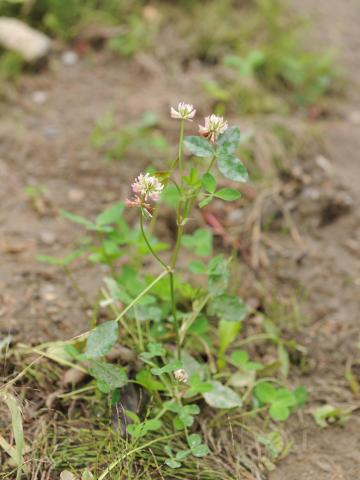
115 311
84 335
211 164
172 292
176 321
139 332
180 154
154 254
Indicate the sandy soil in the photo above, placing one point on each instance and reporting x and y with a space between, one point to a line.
334 301
48 145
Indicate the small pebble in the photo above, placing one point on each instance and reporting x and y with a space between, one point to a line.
75 195
48 292
39 97
47 237
69 58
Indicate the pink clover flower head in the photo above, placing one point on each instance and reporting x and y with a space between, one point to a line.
213 127
147 187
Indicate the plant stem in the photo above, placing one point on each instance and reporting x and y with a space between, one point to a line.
172 292
84 335
211 164
139 332
180 154
176 321
154 254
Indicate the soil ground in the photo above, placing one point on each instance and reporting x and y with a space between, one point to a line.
334 276
48 145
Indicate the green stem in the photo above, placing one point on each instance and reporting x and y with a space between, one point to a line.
154 254
180 154
139 332
172 291
211 164
84 335
176 321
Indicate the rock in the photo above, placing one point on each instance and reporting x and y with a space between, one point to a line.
69 58
47 237
39 97
28 42
75 195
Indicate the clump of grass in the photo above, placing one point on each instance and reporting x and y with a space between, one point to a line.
141 137
265 66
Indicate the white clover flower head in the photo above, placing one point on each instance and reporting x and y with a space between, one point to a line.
213 127
181 375
147 187
185 111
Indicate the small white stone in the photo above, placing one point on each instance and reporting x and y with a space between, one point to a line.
47 237
28 42
39 97
69 58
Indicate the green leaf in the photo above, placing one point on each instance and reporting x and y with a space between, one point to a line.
285 397
197 385
194 440
172 463
142 429
278 411
154 350
200 242
200 326
182 454
79 220
87 475
101 339
206 201
110 215
110 376
197 266
199 146
146 380
226 307
218 271
240 358
228 141
84 222
170 367
232 168
227 194
170 196
265 392
228 332
200 450
222 397
301 396
283 357
209 183
242 379
61 262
